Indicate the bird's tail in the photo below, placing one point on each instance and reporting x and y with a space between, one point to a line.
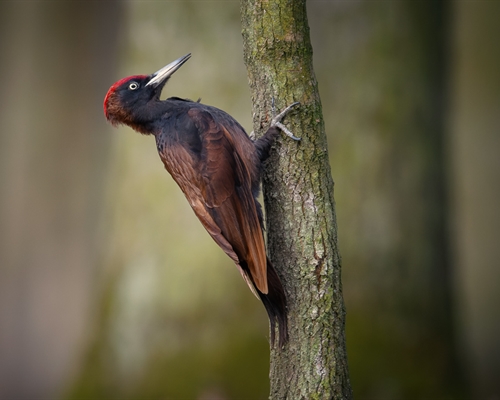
275 303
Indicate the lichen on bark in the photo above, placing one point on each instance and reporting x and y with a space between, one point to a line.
299 203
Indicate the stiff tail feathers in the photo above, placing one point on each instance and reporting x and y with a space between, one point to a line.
276 306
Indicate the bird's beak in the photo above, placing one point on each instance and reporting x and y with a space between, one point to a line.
163 74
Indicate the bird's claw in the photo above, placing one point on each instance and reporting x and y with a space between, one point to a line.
276 121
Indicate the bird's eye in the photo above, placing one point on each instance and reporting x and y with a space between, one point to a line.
133 86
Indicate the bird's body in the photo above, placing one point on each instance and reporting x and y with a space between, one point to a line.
217 167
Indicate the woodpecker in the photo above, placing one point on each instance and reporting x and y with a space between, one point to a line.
218 168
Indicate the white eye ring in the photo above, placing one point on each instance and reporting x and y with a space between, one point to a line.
133 86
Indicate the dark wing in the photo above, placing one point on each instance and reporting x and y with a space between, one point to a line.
216 177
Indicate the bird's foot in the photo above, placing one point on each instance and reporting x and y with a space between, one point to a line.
276 121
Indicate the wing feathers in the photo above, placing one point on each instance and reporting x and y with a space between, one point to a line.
217 183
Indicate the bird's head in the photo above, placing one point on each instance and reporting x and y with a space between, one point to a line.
126 100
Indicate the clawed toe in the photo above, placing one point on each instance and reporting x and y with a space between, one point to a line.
276 121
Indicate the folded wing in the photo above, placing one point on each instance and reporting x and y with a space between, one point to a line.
215 174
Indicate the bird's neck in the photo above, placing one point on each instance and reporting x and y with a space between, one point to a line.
145 119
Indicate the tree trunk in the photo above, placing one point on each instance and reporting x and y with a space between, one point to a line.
298 196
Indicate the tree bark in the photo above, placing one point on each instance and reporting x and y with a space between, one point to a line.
299 203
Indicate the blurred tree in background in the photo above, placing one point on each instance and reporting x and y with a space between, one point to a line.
53 156
410 94
389 109
474 148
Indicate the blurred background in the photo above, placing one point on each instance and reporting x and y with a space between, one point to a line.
110 287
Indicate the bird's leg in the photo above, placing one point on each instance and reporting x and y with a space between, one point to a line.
276 121
264 143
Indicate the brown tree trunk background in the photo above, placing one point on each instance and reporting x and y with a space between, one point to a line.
56 56
387 92
474 143
300 210
387 88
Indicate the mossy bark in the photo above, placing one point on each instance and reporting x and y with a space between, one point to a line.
300 209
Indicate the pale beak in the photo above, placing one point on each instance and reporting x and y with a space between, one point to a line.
163 74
